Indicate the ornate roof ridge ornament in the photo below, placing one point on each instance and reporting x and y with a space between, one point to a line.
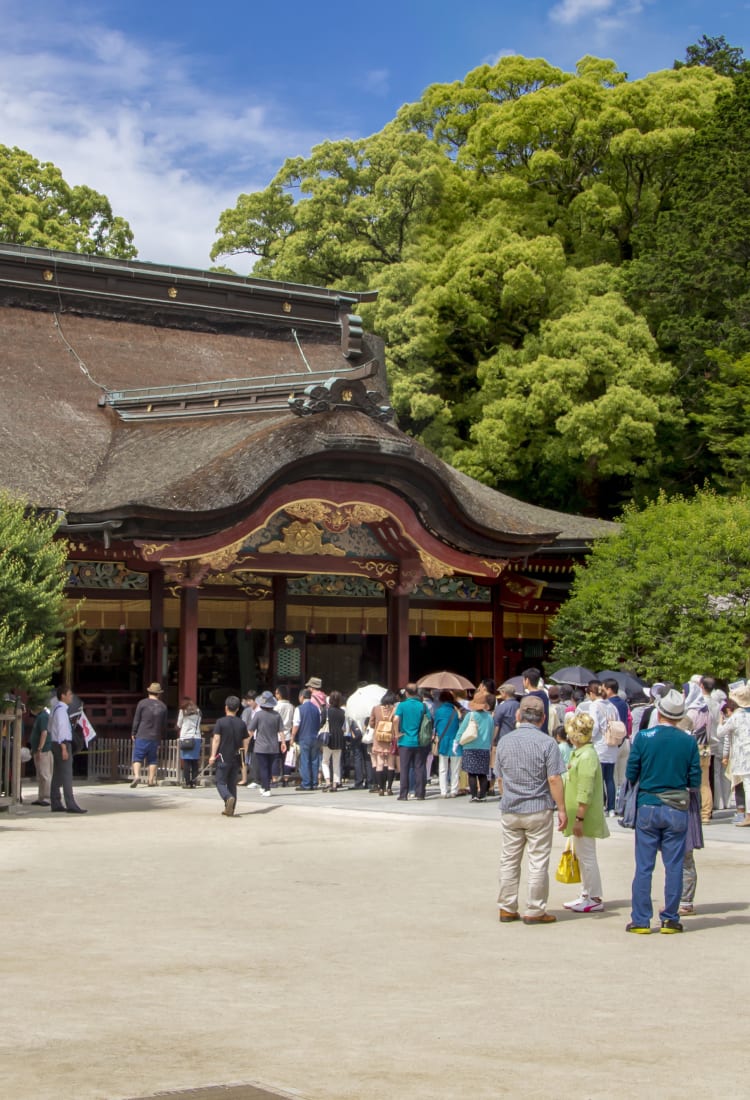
340 393
228 395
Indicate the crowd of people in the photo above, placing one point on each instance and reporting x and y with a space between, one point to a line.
665 759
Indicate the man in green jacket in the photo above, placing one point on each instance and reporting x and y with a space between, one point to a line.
665 762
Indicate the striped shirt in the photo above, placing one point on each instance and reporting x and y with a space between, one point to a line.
525 760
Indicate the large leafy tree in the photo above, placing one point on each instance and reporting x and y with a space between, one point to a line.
716 53
722 419
32 581
472 213
38 207
359 205
666 597
692 279
583 407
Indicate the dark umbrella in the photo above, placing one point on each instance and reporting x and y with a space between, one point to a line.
626 682
576 675
517 682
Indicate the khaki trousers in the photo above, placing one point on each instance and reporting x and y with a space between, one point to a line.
519 832
43 763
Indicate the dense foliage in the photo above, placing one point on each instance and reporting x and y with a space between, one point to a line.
519 227
37 207
668 596
32 581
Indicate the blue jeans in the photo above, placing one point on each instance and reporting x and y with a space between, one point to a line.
226 779
309 763
658 829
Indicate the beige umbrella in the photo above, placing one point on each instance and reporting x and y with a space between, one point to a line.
445 681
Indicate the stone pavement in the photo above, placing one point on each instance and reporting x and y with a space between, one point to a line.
346 946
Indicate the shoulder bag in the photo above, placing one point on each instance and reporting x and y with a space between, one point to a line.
426 728
471 733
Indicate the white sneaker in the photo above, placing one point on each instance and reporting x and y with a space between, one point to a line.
574 904
265 794
253 786
584 905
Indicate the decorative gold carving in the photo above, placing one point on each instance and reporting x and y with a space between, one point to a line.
172 292
496 567
347 396
301 538
255 592
287 307
434 568
48 275
333 517
381 569
150 549
240 578
221 559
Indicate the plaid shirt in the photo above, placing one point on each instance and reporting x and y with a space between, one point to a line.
525 760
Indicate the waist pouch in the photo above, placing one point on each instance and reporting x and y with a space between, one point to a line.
677 798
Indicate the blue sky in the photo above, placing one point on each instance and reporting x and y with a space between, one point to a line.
173 109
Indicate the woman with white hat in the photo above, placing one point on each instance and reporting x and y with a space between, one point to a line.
736 751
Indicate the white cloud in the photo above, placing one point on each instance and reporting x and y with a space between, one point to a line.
607 15
137 124
377 81
572 11
493 58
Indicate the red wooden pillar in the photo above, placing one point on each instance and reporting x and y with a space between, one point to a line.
500 666
188 672
155 669
398 640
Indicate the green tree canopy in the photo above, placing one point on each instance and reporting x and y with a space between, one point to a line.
37 207
580 406
473 214
716 53
32 581
692 278
666 597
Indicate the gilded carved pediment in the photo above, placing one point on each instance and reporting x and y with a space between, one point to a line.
302 538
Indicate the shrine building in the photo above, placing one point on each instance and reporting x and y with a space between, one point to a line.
241 507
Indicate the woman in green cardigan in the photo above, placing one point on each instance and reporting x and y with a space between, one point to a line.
584 805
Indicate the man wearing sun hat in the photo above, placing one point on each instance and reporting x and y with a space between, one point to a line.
315 684
149 726
665 763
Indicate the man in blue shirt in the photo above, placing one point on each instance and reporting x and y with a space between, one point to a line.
665 762
409 713
305 731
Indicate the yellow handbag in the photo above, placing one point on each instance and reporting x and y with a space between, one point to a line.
568 869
